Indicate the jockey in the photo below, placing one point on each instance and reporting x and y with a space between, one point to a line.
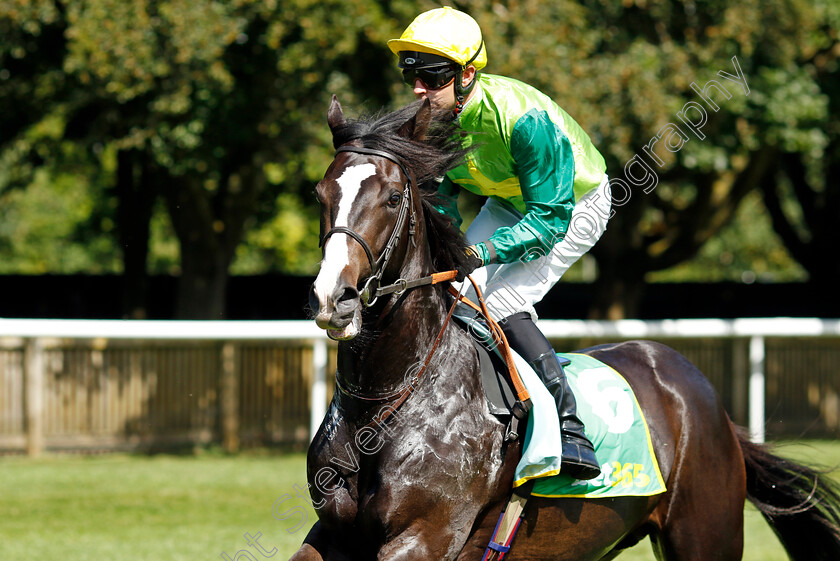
548 194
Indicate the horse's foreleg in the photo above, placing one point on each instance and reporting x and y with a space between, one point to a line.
477 543
425 539
306 553
316 547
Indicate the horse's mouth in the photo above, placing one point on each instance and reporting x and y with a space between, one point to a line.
347 332
340 327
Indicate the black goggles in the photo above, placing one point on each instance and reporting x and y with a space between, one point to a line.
433 77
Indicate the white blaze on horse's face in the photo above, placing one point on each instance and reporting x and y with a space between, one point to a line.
337 249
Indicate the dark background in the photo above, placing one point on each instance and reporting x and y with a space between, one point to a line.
272 297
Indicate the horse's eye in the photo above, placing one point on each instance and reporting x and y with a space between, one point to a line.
395 199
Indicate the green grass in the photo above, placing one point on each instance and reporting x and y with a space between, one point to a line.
147 508
160 508
760 543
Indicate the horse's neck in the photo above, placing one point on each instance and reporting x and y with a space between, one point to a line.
399 335
394 344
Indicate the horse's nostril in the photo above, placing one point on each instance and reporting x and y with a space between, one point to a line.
348 295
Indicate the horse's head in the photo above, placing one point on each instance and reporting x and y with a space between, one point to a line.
368 215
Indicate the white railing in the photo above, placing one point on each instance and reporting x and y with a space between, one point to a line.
33 331
755 329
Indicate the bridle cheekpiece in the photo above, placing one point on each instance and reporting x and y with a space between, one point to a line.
372 289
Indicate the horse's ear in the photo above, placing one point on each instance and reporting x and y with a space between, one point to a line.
335 116
416 127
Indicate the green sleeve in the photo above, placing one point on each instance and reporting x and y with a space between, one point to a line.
546 168
447 200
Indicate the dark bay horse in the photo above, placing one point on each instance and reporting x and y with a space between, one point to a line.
410 464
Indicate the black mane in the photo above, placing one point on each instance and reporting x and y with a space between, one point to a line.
428 160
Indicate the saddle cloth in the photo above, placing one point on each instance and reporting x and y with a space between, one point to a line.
613 421
617 428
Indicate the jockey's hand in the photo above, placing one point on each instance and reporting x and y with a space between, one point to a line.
472 263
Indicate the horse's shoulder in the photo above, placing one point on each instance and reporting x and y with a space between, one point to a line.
458 346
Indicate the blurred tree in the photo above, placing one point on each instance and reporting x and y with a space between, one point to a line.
803 198
31 57
677 95
45 227
217 108
197 97
745 250
211 93
805 208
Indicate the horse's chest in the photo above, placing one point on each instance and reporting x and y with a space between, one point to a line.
363 478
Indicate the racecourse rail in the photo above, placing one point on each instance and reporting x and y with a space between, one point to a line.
33 332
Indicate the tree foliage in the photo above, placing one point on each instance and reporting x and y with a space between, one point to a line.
686 151
198 98
803 196
206 118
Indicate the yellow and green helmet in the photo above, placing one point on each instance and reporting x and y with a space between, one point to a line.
445 32
442 32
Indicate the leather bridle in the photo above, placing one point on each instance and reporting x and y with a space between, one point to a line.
371 290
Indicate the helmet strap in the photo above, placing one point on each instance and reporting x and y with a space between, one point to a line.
461 91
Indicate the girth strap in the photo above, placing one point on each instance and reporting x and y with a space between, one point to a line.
506 527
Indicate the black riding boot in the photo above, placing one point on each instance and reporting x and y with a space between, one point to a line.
579 459
525 338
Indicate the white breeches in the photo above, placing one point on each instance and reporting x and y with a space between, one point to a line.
515 287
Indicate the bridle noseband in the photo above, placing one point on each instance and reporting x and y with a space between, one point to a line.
372 291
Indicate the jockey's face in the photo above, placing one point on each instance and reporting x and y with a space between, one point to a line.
443 97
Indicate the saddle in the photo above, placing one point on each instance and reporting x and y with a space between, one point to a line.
614 421
498 390
495 378
492 337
